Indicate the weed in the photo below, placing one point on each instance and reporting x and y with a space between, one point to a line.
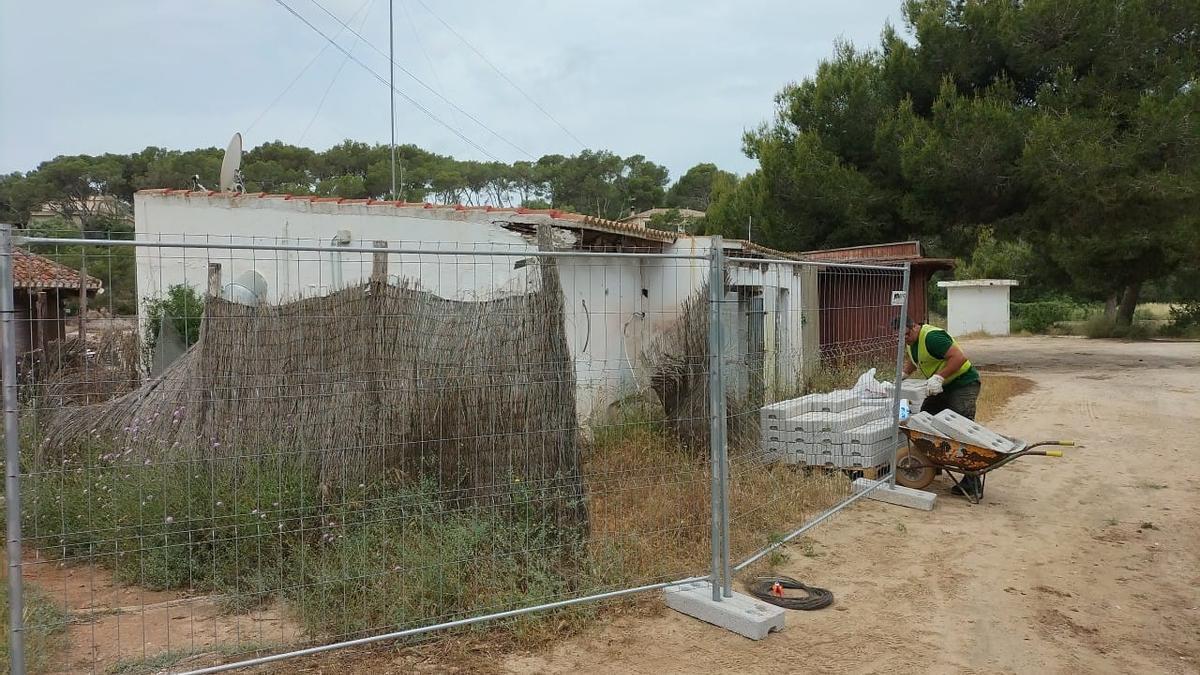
1150 485
1100 327
45 629
810 550
166 660
1112 522
901 528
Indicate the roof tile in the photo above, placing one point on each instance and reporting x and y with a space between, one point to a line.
33 271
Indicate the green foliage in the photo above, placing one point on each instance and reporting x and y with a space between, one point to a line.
1101 326
1065 128
348 555
594 182
114 266
45 630
183 306
1041 316
1184 320
694 188
670 221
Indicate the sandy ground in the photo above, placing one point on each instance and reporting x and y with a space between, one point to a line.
1090 563
114 624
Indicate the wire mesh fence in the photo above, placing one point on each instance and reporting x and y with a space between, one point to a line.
233 448
813 409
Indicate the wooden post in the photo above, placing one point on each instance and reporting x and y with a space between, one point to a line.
214 280
83 297
39 322
379 264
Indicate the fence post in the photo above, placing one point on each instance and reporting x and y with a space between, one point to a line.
716 412
12 446
379 263
723 419
214 280
900 346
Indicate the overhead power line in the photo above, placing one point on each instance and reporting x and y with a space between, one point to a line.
504 77
333 81
421 82
303 70
416 104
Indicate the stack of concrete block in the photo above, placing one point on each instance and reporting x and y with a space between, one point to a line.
835 429
778 434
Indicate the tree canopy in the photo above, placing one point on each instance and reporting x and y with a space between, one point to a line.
1071 126
593 182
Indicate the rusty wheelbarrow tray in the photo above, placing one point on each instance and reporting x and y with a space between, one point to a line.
927 454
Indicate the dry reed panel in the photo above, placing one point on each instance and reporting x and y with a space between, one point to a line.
679 364
479 394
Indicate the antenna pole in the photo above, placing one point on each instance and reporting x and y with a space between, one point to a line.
392 85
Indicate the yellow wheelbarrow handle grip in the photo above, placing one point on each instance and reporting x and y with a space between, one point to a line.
1068 444
1054 453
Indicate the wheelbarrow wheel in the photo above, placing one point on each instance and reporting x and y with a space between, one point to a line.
913 469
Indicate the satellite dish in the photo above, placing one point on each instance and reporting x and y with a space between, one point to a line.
231 166
250 288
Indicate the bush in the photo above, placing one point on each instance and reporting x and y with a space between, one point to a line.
1099 327
1040 317
45 629
1184 320
185 308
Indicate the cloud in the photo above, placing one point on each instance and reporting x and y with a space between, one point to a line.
673 80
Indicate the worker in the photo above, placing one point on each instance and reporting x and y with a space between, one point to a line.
951 382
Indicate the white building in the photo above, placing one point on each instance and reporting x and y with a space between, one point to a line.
977 306
614 306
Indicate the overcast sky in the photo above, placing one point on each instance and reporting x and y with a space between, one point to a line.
675 80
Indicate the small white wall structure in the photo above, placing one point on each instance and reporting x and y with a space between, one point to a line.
613 306
977 306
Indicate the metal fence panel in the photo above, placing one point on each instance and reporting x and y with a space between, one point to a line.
232 451
803 429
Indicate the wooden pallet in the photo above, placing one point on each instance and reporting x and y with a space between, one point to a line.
869 472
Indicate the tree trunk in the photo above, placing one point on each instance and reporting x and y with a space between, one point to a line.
1110 307
1129 301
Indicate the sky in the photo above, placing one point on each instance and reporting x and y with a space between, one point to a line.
678 81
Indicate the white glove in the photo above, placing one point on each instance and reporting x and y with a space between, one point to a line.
933 386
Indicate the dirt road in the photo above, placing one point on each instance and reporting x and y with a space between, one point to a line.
1085 564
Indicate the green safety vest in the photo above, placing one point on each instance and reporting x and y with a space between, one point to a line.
927 363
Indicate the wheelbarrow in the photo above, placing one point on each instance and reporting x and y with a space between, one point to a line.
926 455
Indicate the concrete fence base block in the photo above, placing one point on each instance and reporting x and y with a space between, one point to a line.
898 495
741 614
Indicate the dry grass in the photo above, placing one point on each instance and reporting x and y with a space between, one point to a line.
996 392
659 511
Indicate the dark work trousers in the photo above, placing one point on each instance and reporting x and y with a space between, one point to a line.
961 400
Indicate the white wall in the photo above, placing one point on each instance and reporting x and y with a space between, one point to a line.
614 306
251 220
977 309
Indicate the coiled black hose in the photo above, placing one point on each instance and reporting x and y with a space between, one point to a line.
814 598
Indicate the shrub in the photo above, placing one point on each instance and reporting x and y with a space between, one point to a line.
1040 317
1184 320
185 309
1101 326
